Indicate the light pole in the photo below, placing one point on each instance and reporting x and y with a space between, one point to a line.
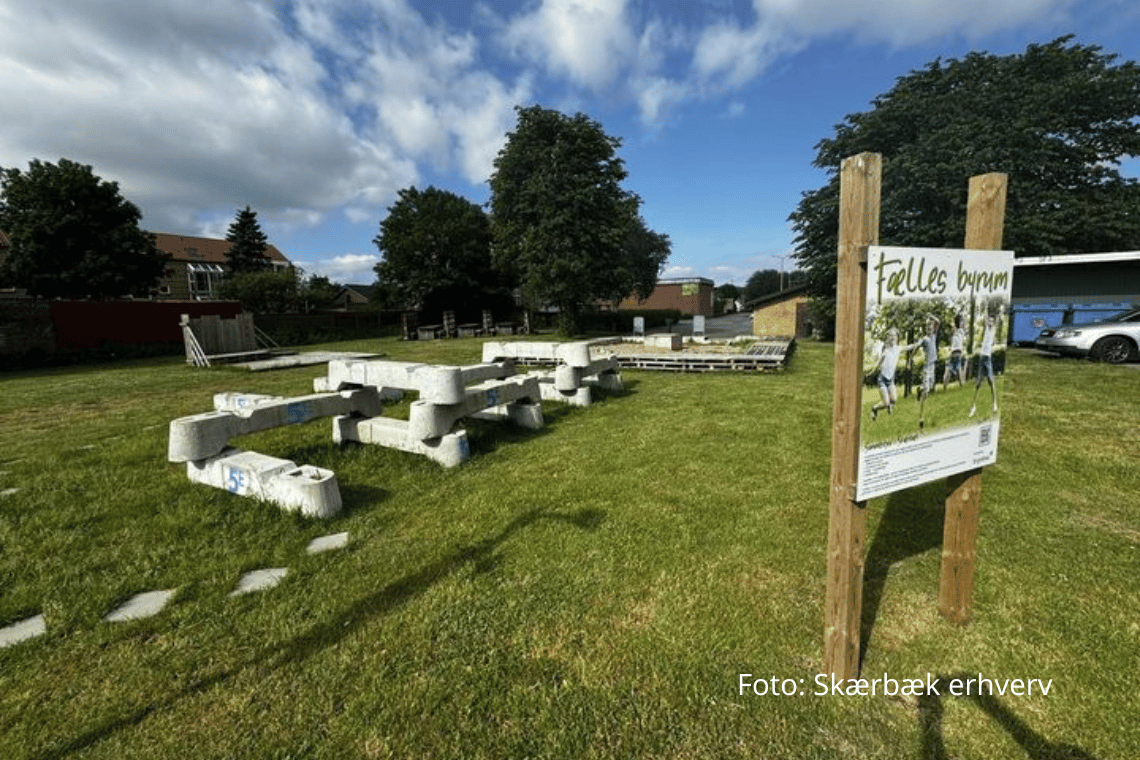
781 258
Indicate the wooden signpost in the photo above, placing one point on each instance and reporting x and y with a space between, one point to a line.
859 206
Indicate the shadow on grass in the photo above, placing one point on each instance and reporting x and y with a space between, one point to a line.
1036 746
482 556
911 525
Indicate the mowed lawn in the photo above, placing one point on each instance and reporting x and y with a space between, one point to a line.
595 589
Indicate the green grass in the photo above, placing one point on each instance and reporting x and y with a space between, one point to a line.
590 590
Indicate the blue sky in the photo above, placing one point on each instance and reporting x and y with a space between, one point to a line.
316 112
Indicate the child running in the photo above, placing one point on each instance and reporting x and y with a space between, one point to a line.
986 364
885 369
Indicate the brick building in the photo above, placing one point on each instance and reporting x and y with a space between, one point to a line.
690 295
786 314
196 266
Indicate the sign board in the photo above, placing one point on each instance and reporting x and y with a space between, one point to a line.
936 323
689 289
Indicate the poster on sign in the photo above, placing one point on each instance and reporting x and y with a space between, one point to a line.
934 359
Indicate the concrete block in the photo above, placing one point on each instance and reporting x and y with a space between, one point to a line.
429 420
575 397
435 383
523 414
260 580
22 631
139 606
450 449
327 543
311 490
204 435
671 341
575 354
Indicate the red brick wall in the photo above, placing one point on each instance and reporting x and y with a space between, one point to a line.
672 295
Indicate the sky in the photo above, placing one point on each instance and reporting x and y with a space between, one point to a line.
315 113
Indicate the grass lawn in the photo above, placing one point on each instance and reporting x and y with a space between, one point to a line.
594 589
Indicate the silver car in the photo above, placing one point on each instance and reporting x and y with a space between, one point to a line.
1113 339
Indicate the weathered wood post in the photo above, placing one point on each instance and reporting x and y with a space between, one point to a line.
985 218
859 194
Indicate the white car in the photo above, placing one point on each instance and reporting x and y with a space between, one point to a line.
1113 339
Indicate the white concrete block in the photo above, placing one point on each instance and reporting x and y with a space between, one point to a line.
327 543
671 341
575 354
311 490
147 604
438 384
429 420
204 435
22 631
527 415
450 449
260 580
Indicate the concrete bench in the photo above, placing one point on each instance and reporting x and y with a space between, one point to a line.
312 491
200 436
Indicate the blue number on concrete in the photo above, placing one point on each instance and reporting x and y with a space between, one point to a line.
235 480
298 412
492 397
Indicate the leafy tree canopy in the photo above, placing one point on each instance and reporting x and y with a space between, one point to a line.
264 291
247 244
73 235
561 219
1057 119
436 253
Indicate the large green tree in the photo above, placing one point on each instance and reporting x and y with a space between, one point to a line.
562 221
435 249
247 244
73 235
1057 119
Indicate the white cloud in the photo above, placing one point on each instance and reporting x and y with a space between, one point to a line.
902 22
349 268
587 41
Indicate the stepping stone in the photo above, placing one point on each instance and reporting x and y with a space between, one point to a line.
326 543
25 629
260 580
141 606
9 491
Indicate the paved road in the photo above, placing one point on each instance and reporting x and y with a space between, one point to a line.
728 326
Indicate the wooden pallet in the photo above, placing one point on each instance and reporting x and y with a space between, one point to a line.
762 357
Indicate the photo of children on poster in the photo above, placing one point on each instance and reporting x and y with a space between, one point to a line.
936 324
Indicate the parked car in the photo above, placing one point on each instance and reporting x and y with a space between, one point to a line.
1114 339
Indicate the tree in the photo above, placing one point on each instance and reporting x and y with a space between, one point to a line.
318 292
760 283
73 235
247 244
562 221
1057 119
436 253
265 291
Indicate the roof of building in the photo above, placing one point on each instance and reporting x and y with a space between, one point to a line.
364 291
204 250
684 281
780 295
1077 258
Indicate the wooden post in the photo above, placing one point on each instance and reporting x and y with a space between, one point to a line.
985 217
859 192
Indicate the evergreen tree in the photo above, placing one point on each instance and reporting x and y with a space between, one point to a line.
247 244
